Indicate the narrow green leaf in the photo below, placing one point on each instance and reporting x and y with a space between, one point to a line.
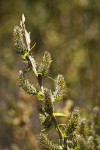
59 114
57 99
61 124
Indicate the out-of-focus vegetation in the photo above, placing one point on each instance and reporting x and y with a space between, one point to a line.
70 30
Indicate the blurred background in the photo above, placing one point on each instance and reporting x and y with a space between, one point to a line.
70 31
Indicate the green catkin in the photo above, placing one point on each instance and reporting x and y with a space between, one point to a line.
46 144
72 123
25 85
18 40
60 88
43 68
48 102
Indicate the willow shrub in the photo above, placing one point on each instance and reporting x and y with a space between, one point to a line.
77 134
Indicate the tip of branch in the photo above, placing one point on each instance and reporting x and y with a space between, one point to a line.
23 18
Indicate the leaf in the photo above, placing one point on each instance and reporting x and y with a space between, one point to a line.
47 123
40 96
57 99
25 55
59 114
62 124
